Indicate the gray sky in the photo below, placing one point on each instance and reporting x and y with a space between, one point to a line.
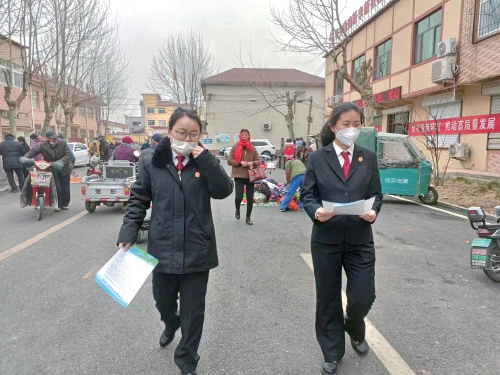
225 25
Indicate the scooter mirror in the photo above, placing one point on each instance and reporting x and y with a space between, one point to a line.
476 214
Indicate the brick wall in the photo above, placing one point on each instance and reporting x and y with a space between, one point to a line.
478 60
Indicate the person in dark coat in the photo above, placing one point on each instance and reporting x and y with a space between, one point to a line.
26 148
179 179
10 151
58 153
126 150
155 139
104 150
342 172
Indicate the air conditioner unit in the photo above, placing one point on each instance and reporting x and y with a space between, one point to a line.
267 126
443 70
459 151
447 47
334 100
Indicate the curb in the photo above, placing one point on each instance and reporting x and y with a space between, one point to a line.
462 210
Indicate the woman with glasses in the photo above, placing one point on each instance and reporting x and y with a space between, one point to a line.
179 179
242 157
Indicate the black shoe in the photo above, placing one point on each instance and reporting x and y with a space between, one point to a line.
16 190
361 348
190 373
249 222
329 368
237 215
165 340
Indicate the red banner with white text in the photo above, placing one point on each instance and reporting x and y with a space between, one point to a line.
460 125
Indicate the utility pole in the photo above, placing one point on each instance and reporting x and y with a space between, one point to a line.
309 118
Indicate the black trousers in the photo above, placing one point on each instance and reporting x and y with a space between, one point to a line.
192 289
239 183
359 265
63 185
12 181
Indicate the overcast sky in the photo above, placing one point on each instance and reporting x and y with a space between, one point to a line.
225 25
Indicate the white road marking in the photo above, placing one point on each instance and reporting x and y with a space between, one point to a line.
40 236
389 357
430 207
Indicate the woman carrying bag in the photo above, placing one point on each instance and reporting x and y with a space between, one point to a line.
179 179
242 157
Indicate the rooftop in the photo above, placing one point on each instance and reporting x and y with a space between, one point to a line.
279 77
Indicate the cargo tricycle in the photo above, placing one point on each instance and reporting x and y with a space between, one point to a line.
404 169
111 187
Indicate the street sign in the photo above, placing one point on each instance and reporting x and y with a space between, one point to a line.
207 141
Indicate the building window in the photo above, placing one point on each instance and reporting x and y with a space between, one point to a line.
356 69
74 133
17 73
383 62
339 83
82 112
151 110
52 128
398 123
91 134
428 36
36 99
90 112
151 122
83 133
162 122
488 17
161 111
38 129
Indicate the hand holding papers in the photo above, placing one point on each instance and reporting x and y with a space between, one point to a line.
123 275
354 208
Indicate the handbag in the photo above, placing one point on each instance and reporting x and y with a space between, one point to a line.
257 174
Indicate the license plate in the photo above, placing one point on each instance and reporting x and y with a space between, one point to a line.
478 258
481 242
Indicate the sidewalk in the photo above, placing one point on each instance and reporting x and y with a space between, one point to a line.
473 174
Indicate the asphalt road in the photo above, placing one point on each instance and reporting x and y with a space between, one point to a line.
440 316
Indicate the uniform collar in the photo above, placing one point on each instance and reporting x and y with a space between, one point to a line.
339 151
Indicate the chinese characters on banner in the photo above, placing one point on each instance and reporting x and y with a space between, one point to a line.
460 125
360 16
382 97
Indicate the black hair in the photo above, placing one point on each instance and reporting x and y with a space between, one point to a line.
289 140
327 135
33 136
8 135
181 112
21 139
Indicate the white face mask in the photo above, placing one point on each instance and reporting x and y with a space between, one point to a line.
348 136
182 147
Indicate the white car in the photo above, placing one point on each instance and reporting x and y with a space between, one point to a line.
81 153
264 147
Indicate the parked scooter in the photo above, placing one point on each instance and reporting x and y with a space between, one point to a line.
93 167
485 250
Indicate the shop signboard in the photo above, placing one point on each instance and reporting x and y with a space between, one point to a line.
222 137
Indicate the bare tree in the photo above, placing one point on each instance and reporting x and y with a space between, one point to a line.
19 19
314 27
179 66
111 82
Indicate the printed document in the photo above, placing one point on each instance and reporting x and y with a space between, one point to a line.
123 275
354 208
